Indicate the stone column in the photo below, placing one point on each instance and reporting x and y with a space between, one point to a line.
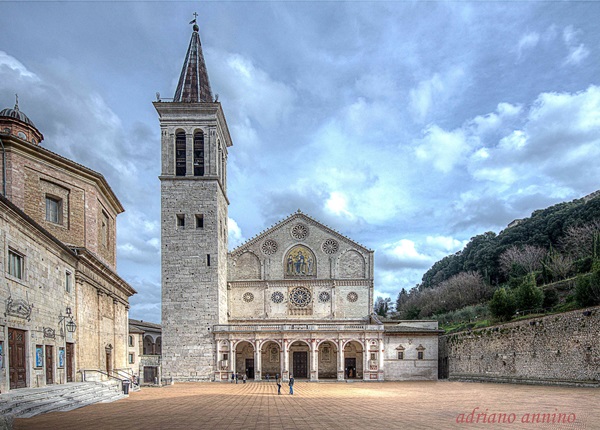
366 364
380 370
285 371
314 361
231 357
189 154
257 360
340 359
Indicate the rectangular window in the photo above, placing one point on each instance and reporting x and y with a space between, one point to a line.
68 282
131 358
53 209
104 229
199 221
400 355
130 340
420 355
373 356
208 259
15 264
180 220
225 356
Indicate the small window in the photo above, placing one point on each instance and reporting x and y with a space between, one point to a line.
420 355
130 340
225 356
373 356
15 264
22 135
208 259
199 221
68 282
104 229
131 358
180 220
54 210
400 355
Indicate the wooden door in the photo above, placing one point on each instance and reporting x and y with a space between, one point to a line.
49 365
16 358
150 374
70 353
300 364
350 367
250 368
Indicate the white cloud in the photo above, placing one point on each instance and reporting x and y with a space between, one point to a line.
443 148
577 51
235 234
9 62
527 42
434 92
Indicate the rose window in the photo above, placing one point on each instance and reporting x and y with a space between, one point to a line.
277 297
324 297
248 297
330 246
269 247
352 297
299 231
300 297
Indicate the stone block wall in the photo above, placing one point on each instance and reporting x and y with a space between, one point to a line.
555 349
410 367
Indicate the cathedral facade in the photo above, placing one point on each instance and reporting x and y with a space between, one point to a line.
295 300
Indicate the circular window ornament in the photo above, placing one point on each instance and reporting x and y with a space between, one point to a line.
330 246
269 247
300 297
352 297
248 297
277 297
299 231
324 297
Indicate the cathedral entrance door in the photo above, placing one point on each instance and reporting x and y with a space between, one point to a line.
300 364
70 352
49 365
250 368
16 357
350 367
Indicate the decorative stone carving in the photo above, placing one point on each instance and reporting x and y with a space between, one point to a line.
324 297
352 297
330 246
299 231
248 297
300 297
18 308
277 297
269 247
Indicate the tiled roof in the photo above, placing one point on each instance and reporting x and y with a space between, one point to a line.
193 86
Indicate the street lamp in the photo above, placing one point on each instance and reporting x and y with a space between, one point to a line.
68 321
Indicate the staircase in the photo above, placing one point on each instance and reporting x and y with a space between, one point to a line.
28 402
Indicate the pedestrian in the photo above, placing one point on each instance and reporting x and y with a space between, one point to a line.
236 378
291 383
277 377
245 377
232 377
278 387
267 377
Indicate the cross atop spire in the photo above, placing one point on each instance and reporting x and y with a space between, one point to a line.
193 86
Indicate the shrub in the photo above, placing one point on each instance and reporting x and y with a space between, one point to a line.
528 295
502 306
587 289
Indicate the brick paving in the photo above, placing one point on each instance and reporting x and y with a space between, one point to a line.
358 405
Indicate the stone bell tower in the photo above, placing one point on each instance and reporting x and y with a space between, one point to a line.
194 142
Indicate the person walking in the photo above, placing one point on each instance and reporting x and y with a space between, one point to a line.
278 387
236 378
291 383
277 377
245 377
232 377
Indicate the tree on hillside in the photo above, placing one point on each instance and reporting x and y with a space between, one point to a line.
402 298
502 306
382 306
529 296
559 265
519 261
581 241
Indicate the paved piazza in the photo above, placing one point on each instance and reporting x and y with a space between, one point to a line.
319 406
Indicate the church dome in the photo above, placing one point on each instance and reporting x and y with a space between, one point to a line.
16 123
16 114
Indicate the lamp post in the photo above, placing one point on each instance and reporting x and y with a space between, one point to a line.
67 325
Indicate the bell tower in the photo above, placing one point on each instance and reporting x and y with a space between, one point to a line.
194 143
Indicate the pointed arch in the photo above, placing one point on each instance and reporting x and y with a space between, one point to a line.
198 153
180 153
247 267
351 265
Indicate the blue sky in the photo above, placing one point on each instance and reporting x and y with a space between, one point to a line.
407 126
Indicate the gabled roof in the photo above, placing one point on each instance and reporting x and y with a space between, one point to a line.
294 217
193 86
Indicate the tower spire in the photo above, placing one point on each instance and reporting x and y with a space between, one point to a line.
194 86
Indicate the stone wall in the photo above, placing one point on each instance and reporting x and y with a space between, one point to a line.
556 349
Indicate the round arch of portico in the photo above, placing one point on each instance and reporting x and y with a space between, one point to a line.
346 342
265 341
292 341
333 341
237 343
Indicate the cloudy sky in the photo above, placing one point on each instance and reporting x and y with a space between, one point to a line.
408 126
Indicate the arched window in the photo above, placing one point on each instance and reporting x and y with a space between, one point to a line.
180 154
198 153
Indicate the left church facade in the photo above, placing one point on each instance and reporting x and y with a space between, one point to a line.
64 307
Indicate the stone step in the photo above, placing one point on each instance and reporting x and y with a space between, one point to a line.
28 402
